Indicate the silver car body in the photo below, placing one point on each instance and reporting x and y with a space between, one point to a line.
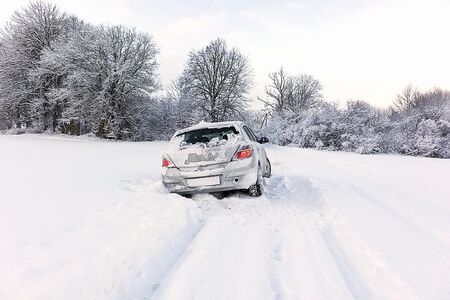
212 166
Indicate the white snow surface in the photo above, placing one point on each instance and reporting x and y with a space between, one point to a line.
88 219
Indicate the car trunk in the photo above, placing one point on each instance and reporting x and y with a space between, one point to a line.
202 155
204 146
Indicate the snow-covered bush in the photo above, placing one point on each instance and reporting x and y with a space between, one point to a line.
327 127
422 127
432 139
364 126
277 130
427 138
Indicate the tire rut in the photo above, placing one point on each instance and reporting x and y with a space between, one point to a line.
174 260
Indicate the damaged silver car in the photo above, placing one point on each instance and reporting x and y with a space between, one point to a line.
215 157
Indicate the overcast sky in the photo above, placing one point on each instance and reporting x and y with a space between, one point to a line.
358 49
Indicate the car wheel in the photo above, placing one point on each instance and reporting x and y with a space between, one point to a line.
220 195
268 171
257 189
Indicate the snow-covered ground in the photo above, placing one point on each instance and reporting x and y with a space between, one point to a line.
89 219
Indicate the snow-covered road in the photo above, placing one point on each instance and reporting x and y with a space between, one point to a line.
89 219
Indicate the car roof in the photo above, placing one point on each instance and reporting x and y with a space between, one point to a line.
203 125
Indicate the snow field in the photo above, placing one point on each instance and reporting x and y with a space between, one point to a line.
89 219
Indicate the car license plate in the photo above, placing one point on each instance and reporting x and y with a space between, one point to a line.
203 181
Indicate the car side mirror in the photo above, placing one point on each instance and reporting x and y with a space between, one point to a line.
263 140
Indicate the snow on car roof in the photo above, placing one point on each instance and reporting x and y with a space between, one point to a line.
203 125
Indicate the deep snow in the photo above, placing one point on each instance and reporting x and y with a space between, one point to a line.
90 219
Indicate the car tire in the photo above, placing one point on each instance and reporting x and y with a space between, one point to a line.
268 170
220 195
257 189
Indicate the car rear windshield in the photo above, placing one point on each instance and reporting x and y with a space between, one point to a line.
208 135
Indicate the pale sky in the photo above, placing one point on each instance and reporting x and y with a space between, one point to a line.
358 49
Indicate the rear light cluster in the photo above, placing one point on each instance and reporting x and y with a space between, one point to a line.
243 153
166 162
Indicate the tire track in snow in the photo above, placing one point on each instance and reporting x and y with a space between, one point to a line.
180 242
408 227
357 262
311 213
250 225
292 215
171 261
424 247
226 260
302 214
373 202
277 258
351 276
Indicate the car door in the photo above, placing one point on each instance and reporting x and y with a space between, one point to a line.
262 150
258 147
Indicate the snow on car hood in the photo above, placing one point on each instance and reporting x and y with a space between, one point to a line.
214 152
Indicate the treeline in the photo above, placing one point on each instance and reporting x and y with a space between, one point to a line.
61 74
417 123
55 67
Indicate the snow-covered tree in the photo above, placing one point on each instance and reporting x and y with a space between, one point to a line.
278 91
30 31
185 109
109 73
218 80
292 93
406 100
306 93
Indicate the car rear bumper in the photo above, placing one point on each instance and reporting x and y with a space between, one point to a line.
235 175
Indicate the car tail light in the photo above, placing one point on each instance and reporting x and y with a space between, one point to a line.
243 153
166 162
